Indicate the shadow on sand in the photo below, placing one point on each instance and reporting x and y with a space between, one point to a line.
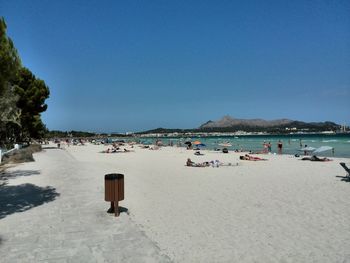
51 148
123 209
344 178
5 176
19 198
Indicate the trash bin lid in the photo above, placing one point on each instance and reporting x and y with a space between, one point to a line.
114 176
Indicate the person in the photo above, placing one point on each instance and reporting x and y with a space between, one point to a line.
248 157
265 147
217 163
306 152
314 158
190 163
269 147
279 146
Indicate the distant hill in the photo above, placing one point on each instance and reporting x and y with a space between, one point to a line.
228 123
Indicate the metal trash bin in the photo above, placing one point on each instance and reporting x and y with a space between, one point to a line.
114 191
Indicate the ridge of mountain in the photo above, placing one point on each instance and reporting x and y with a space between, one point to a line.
228 121
230 124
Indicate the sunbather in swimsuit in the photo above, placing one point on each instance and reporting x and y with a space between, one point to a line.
314 158
251 158
193 164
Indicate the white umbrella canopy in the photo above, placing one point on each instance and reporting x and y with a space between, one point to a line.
307 149
323 149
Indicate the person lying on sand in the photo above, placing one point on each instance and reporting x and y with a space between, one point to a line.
107 151
213 163
251 158
193 164
128 151
314 158
217 163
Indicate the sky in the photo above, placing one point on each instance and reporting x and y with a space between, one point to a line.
119 66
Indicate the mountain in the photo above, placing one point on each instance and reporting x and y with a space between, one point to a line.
228 123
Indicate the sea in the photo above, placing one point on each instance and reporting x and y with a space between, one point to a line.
292 143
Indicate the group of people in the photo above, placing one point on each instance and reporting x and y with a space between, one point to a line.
267 147
217 163
116 149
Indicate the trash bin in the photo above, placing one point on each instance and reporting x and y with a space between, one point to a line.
114 191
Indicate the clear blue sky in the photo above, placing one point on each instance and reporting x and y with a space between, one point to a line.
118 66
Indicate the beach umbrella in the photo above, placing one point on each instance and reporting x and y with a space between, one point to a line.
200 145
197 142
323 149
188 143
307 149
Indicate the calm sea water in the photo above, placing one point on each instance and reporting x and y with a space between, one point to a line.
291 143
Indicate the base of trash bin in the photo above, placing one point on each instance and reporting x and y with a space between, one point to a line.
114 209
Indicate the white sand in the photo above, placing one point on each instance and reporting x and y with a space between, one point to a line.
283 209
280 210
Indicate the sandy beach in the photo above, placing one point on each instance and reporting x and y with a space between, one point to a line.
280 210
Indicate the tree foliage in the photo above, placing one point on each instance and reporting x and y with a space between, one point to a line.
22 96
32 93
9 59
9 66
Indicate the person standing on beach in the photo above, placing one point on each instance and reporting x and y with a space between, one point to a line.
269 147
265 147
279 147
